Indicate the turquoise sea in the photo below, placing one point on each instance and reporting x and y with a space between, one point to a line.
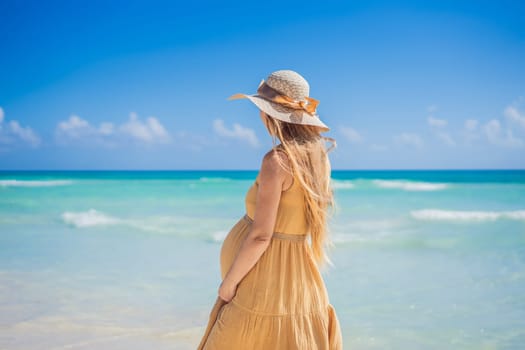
130 259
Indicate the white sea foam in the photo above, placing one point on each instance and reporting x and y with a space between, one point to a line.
89 218
151 224
367 230
367 226
34 183
340 184
410 185
457 215
219 236
214 179
338 237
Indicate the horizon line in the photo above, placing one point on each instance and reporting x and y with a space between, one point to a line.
146 170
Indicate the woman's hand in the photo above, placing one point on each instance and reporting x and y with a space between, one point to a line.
227 290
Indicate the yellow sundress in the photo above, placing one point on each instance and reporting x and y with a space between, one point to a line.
282 302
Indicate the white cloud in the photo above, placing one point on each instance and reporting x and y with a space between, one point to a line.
497 136
106 128
496 133
237 132
437 126
13 131
26 134
351 134
409 139
435 122
446 138
471 124
150 131
515 116
471 130
76 128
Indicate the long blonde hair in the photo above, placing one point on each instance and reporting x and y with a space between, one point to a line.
308 156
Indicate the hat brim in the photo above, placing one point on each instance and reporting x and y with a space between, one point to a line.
285 114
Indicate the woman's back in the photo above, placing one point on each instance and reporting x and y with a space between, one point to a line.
291 216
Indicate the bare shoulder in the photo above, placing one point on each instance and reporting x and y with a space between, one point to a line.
274 160
274 169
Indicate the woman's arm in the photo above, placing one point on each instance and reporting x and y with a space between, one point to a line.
271 180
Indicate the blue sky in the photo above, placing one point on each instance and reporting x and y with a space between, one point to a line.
144 84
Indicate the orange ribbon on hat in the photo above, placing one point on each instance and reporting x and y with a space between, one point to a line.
309 104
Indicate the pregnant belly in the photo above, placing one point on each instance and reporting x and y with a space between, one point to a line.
232 243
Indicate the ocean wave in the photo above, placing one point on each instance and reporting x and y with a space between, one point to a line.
367 230
214 179
151 224
410 185
93 217
338 238
457 215
89 218
219 236
342 184
34 183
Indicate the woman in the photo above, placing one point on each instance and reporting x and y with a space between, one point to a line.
272 295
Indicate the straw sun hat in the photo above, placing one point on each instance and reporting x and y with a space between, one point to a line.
284 96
